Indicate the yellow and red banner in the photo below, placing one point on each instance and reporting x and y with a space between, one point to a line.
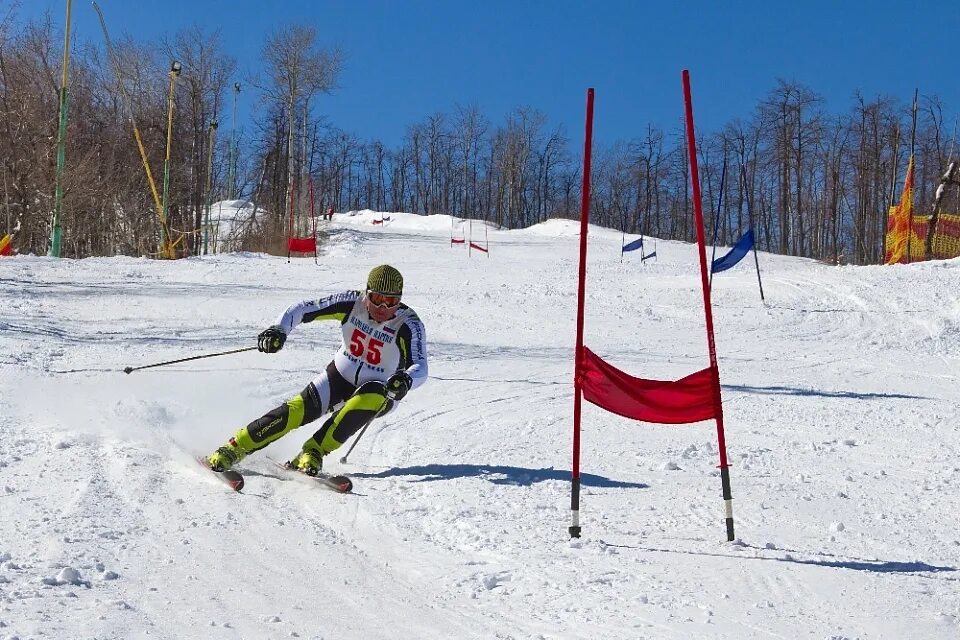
899 223
6 245
946 237
906 238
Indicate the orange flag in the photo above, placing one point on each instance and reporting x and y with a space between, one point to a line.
898 222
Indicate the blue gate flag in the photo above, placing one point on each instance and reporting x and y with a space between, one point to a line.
636 244
736 254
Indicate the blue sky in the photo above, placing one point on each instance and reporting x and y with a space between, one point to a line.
406 60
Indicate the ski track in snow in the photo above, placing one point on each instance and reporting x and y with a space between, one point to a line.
840 404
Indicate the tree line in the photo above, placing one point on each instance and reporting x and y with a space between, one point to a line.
811 182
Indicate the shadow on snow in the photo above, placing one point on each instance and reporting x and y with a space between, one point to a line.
498 474
855 564
794 391
877 566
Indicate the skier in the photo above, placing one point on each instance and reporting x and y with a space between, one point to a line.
383 356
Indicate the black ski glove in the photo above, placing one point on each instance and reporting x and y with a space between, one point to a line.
271 340
398 384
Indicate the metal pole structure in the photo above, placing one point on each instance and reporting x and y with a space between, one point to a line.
913 145
574 528
208 198
232 163
56 232
708 312
166 246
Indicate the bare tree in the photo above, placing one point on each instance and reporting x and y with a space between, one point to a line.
471 127
297 70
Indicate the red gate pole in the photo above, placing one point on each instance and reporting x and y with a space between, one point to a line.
581 297
711 344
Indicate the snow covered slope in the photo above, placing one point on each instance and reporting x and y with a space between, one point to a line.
840 398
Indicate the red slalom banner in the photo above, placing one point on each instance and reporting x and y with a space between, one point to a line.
682 401
693 398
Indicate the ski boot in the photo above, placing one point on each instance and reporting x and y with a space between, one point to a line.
226 456
309 462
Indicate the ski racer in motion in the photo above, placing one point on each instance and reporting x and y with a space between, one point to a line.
382 358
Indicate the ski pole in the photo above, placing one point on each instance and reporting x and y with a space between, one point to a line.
208 355
343 460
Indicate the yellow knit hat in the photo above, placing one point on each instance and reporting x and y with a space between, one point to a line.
385 279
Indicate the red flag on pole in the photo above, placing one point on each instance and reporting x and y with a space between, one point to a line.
690 399
302 245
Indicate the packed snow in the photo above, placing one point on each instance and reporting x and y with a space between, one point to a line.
840 396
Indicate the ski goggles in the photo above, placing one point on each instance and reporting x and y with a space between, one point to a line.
383 300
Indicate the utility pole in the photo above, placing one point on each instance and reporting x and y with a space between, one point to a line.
56 231
166 244
232 162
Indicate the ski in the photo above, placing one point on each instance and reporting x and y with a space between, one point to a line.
231 478
336 482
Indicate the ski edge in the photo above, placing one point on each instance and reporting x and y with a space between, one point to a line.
335 482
